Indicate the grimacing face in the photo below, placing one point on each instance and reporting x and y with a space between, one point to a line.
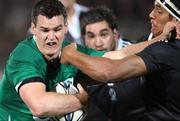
158 18
49 35
100 36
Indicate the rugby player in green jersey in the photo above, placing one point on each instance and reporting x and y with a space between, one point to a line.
33 69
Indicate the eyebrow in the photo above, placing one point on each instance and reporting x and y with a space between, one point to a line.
104 30
159 6
42 27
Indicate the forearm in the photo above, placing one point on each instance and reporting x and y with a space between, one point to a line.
131 49
104 69
42 103
95 67
58 104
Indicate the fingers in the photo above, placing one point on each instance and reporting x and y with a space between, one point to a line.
80 88
82 95
178 30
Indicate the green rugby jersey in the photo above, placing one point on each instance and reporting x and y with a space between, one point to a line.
26 62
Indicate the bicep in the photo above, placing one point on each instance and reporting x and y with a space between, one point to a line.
115 55
129 67
32 92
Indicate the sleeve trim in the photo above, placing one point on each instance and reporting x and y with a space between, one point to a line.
29 80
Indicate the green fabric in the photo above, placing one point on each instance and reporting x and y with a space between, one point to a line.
25 62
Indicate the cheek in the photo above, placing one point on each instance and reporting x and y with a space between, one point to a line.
60 35
41 36
109 42
161 23
112 43
90 43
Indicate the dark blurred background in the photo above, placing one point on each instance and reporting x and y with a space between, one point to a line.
133 19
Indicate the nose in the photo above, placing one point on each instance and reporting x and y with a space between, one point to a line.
51 35
98 42
151 15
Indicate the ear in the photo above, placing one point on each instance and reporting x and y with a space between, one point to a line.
33 28
116 34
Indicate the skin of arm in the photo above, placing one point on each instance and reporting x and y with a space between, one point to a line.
104 69
135 48
42 103
132 49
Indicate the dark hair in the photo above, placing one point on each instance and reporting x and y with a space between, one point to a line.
48 8
97 14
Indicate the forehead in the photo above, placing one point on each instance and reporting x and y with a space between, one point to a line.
43 20
97 26
159 6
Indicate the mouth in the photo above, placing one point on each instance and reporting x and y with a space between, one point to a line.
50 44
153 24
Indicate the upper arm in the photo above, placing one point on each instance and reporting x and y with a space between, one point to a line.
128 67
32 93
119 54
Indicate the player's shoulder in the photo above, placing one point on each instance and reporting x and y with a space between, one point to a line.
26 50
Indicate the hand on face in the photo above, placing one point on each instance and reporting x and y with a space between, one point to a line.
168 28
67 51
178 30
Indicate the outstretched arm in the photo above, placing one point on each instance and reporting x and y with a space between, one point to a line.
135 48
132 49
104 69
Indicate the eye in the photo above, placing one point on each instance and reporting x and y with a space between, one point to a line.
158 10
90 36
104 34
58 29
44 30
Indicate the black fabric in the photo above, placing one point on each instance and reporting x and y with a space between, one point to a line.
33 79
161 90
122 101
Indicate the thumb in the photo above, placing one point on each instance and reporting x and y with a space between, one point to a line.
80 88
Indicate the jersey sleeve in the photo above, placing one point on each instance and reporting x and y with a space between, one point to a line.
157 56
23 64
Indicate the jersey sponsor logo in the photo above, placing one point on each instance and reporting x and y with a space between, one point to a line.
68 81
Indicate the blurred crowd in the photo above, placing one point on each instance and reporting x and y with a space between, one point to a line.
15 20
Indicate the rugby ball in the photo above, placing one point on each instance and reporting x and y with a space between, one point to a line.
78 115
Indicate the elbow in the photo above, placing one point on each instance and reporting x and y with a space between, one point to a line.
38 109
